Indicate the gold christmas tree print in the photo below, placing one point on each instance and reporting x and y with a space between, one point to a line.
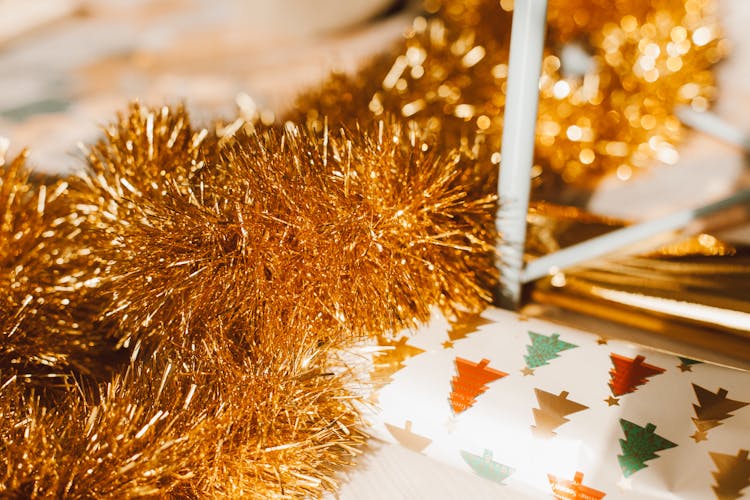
391 358
470 382
465 324
711 409
564 489
732 475
407 438
552 412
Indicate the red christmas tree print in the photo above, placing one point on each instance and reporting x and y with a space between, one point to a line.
471 381
628 374
563 489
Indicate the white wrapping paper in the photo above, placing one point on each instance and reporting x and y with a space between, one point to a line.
544 409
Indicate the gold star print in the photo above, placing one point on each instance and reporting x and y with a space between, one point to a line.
685 367
699 436
612 401
448 344
602 341
527 371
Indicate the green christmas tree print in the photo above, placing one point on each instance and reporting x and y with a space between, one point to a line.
487 468
639 446
686 364
544 348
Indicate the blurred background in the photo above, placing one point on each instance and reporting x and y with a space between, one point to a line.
67 65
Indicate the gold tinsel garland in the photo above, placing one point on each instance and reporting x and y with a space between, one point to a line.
352 233
613 114
202 425
41 335
234 265
218 271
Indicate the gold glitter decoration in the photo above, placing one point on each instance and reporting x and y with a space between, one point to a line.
612 75
40 332
357 233
274 425
231 264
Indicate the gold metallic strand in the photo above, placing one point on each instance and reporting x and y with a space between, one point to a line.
276 426
612 75
46 333
362 232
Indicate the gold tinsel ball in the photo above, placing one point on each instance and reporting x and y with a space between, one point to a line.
41 318
276 425
353 232
232 268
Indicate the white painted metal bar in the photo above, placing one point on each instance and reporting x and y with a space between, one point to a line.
710 124
616 240
519 133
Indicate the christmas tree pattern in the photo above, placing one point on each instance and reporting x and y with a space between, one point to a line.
732 476
391 358
711 409
542 349
639 446
552 411
686 364
487 468
564 489
628 374
471 381
464 325
407 438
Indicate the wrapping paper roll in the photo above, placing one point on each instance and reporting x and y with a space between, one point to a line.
556 412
